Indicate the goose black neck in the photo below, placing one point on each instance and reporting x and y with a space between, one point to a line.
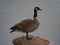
35 13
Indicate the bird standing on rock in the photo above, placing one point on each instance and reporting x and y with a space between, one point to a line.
27 25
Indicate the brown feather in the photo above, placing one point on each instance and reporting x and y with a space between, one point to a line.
27 25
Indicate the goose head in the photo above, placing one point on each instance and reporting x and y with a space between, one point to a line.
37 8
35 11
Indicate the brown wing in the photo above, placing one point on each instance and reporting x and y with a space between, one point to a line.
23 25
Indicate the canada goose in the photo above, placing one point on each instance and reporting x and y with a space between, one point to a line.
27 25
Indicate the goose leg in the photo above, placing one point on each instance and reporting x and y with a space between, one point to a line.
27 35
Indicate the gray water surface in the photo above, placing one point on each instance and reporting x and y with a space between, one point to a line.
13 11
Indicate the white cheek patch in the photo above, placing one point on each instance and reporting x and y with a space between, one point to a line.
36 9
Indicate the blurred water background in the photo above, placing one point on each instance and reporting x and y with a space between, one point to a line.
13 11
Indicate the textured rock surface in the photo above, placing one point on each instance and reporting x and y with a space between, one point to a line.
33 41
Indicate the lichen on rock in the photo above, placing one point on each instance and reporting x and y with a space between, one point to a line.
33 41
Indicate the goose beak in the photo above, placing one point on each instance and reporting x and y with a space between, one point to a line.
40 9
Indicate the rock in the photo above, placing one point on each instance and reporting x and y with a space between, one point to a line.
32 41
